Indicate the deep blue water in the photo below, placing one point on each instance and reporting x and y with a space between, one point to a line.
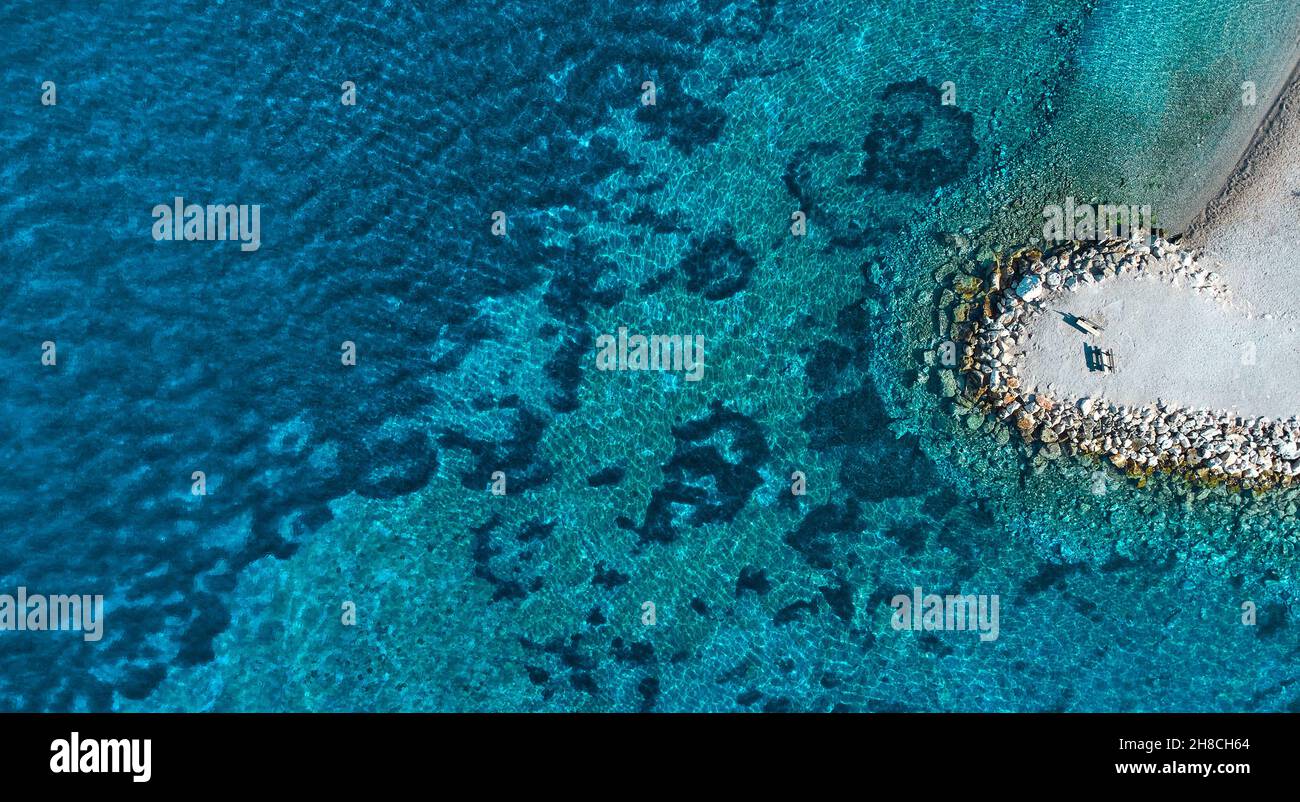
330 483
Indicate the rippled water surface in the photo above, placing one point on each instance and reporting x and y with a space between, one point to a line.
330 484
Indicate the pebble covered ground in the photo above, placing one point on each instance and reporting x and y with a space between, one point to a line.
1211 445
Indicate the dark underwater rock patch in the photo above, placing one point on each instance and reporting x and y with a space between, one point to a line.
648 688
608 578
1052 575
890 706
1159 563
508 564
916 144
717 267
931 644
568 665
839 596
580 280
856 418
207 619
1084 607
583 681
564 368
1271 619
460 341
976 516
516 456
683 119
819 177
397 465
854 323
817 536
875 465
659 222
746 21
938 503
753 579
591 661
794 611
890 468
609 475
713 472
827 360
641 653
736 673
804 170
535 529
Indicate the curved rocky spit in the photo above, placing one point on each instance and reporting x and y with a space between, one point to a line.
1203 445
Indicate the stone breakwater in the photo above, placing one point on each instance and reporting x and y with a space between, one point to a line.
987 327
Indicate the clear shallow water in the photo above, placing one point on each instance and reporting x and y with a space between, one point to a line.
475 354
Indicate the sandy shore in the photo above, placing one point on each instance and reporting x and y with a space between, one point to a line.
1237 350
1170 343
1061 351
1155 355
1251 231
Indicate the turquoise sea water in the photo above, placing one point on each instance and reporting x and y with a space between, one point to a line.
369 484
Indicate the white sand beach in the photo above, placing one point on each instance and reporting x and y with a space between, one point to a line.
1170 343
1235 351
1250 233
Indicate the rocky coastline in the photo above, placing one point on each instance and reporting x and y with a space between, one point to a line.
981 372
